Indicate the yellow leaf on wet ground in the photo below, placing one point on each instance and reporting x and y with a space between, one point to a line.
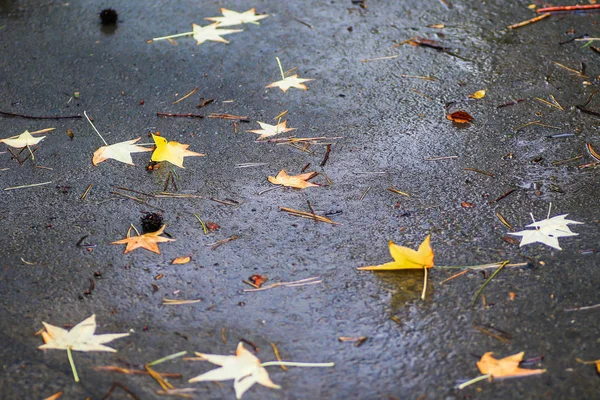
406 258
507 367
173 152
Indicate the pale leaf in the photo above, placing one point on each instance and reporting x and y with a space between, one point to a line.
211 33
547 231
23 140
119 151
289 82
268 130
231 18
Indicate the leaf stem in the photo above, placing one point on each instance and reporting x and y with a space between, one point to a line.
474 380
280 68
202 223
424 285
295 364
488 281
75 376
173 36
88 118
167 358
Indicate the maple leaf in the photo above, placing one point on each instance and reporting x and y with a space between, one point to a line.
268 130
547 231
295 181
119 151
405 258
172 152
231 18
80 338
507 367
480 94
148 241
23 140
289 82
210 32
244 368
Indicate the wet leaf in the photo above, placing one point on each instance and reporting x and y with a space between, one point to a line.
119 151
507 367
23 140
295 181
268 130
231 18
173 152
405 258
244 368
181 260
290 82
258 280
460 117
480 94
211 33
148 241
80 338
547 231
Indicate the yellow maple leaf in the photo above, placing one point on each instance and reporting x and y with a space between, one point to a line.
148 241
405 258
507 367
480 94
172 152
295 181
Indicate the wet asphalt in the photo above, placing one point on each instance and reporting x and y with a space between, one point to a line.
390 125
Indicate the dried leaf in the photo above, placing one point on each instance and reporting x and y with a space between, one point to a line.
211 33
119 151
80 338
507 367
405 258
289 82
148 241
23 140
460 117
268 130
173 152
480 94
295 181
181 260
231 18
258 280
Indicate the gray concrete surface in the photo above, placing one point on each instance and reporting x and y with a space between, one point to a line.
49 50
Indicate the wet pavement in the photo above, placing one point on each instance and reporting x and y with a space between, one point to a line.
391 125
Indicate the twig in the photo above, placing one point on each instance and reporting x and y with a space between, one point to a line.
588 7
303 214
492 334
92 124
425 78
126 371
302 282
393 190
276 351
87 191
503 196
574 71
583 308
187 95
8 114
480 171
529 21
379 58
123 387
220 243
229 116
365 193
27 186
204 228
440 158
326 157
487 281
163 114
302 22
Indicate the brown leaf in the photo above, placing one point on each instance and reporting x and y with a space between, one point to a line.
295 181
460 117
258 280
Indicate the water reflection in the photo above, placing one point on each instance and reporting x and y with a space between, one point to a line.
406 286
6 6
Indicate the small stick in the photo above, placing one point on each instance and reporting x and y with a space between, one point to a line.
276 351
440 158
480 171
87 191
461 273
223 335
302 282
393 190
326 157
365 193
8 114
529 21
173 36
162 114
229 116
312 211
487 281
586 111
281 115
303 214
379 58
187 95
588 7
205 103
560 162
302 22
27 186
503 220
112 368
492 334
425 78
204 228
92 124
216 245
593 152
503 196
125 389
583 308
574 71
550 104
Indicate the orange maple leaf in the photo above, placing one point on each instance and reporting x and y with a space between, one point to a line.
148 241
507 367
295 181
405 258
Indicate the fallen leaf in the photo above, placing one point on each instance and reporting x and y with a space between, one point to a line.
172 152
231 18
460 117
148 241
268 130
211 33
289 82
23 140
80 338
258 280
119 151
547 231
480 94
54 396
405 258
244 368
507 367
181 260
295 181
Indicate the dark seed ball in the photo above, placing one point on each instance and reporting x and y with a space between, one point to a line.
151 222
108 16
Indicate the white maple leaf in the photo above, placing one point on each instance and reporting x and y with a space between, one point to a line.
231 18
289 82
23 140
244 368
268 130
210 32
547 231
119 151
